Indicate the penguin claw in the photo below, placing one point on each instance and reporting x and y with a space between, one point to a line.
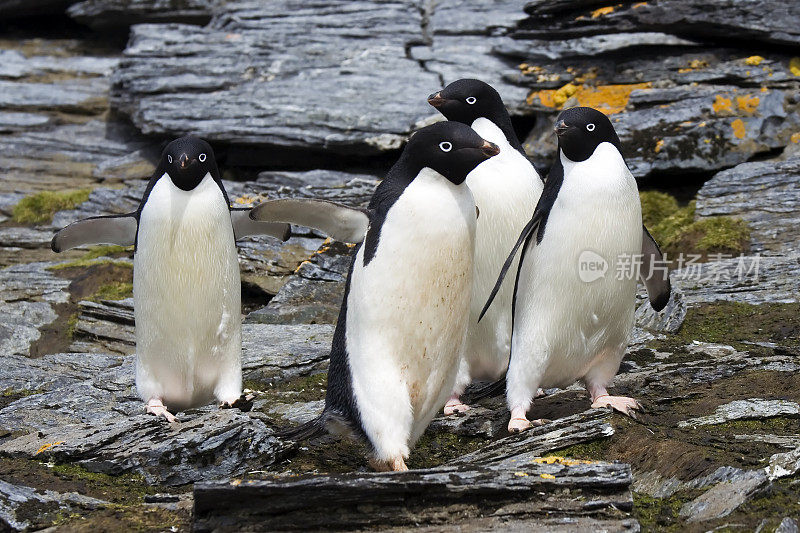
622 404
155 407
454 406
392 465
518 425
243 403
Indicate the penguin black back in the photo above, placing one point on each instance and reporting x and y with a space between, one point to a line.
581 129
467 100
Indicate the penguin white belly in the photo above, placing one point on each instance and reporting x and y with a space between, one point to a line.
407 312
187 297
506 189
561 321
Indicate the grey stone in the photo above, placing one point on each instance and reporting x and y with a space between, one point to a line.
107 15
784 464
537 49
745 409
724 498
274 353
477 422
765 194
298 412
25 508
787 525
14 64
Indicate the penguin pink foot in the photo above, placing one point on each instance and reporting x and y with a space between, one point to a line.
243 403
157 408
392 465
454 406
623 404
519 421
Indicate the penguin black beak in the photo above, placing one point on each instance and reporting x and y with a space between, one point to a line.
436 100
183 160
489 149
561 128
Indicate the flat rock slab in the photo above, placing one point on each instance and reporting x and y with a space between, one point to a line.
765 194
746 409
25 508
108 15
722 499
451 495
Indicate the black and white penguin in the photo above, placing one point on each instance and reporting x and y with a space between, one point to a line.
573 311
186 286
506 189
402 325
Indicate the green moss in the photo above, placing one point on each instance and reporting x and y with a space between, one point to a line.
124 488
777 425
116 290
679 232
72 323
661 514
435 449
40 207
736 323
656 206
595 450
106 251
18 393
83 263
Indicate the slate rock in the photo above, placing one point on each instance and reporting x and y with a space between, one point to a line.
20 8
110 15
784 464
724 498
25 508
765 194
746 409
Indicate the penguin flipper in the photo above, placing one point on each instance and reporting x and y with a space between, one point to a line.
656 279
111 229
340 222
244 226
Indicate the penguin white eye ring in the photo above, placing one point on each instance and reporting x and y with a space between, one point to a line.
202 157
445 146
169 158
590 127
471 100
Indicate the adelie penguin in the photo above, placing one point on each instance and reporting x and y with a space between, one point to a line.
403 321
571 321
506 189
186 284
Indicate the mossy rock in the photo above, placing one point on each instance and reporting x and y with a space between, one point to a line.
117 290
40 207
656 206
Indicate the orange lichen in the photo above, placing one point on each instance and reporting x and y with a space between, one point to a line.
795 138
47 446
659 145
609 99
602 11
738 128
794 66
639 4
721 103
754 60
748 103
557 459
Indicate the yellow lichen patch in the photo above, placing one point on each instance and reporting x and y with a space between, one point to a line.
609 99
247 199
520 474
557 459
748 103
795 138
721 103
794 66
639 4
754 60
659 145
738 128
547 476
47 446
602 11
236 482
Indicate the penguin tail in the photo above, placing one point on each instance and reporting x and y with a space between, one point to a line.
480 391
309 430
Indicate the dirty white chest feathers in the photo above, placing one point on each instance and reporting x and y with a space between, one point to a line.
407 312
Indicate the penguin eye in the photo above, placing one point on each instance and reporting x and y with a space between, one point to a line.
445 146
590 127
202 157
169 158
471 100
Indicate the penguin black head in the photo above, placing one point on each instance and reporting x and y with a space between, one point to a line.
187 160
467 99
450 148
581 129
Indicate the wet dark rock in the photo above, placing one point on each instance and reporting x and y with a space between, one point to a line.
25 508
21 8
106 15
526 497
765 194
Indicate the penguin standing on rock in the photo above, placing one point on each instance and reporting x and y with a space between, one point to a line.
506 189
572 317
403 322
186 285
